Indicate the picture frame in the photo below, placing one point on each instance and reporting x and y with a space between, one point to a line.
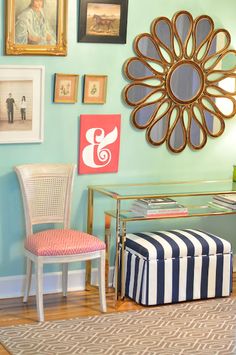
66 88
99 143
22 38
95 89
103 21
21 104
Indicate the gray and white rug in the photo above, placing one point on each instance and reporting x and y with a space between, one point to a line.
198 327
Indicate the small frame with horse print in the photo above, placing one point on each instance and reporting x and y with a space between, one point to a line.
103 21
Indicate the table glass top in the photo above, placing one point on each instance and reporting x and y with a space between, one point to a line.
129 191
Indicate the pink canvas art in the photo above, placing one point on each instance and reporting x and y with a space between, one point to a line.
99 144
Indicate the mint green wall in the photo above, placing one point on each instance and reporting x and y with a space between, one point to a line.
138 161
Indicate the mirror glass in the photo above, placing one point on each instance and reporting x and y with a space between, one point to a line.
144 114
138 93
186 64
183 26
159 130
137 69
177 137
185 90
163 33
147 48
203 30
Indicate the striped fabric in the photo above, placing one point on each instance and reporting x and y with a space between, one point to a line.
177 265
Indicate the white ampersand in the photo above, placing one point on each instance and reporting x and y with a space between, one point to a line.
96 152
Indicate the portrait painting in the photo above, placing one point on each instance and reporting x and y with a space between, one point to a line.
95 87
21 104
66 88
36 27
103 21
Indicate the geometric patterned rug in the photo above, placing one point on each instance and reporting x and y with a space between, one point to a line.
189 328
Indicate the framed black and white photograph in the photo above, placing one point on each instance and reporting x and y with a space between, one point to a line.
103 21
21 104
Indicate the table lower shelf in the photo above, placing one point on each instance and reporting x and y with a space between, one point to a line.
193 211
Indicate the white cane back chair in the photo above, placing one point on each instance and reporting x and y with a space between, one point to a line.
46 191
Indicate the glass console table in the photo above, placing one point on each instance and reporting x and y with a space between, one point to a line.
199 193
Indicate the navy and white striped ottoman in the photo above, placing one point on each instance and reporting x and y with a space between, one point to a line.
176 265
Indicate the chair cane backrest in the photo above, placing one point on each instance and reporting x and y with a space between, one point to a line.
46 191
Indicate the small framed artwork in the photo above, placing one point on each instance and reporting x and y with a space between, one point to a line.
103 21
21 104
95 89
66 88
36 27
99 144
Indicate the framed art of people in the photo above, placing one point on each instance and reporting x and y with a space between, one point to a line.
36 27
21 104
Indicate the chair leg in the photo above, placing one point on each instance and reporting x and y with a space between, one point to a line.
28 278
64 279
101 281
39 289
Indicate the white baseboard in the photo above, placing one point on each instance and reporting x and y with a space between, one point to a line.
12 286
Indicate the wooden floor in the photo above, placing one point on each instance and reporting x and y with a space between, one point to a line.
76 304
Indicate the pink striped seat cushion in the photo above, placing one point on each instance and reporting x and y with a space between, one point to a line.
62 242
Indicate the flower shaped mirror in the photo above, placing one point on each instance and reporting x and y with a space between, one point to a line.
182 81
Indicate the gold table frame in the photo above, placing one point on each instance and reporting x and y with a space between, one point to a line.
121 192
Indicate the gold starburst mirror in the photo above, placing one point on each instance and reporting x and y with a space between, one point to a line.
182 81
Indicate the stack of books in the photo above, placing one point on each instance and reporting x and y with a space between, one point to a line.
225 200
158 207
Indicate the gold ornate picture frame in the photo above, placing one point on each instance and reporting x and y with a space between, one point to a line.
46 35
66 88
